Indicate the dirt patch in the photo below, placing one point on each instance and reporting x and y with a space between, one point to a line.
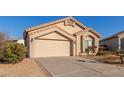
108 59
26 68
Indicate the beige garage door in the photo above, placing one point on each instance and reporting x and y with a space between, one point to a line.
51 48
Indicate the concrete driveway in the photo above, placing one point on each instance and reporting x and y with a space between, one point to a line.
78 67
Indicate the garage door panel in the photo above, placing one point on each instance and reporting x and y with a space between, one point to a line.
50 48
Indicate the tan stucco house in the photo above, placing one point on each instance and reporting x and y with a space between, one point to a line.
114 42
63 37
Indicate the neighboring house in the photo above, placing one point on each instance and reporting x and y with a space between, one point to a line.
20 41
63 37
114 42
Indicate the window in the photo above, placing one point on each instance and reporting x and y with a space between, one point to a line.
88 43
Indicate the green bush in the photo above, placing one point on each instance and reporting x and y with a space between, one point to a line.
1 52
12 53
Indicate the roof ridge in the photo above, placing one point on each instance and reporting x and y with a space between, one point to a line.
52 22
57 21
30 28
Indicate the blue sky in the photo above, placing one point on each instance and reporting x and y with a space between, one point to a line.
105 25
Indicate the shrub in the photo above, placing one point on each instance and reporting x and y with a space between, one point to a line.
12 53
91 49
1 52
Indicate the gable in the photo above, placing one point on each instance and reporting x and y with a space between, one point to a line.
64 25
61 21
70 19
53 35
68 28
52 32
88 30
69 25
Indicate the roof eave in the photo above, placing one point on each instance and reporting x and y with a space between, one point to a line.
99 36
108 38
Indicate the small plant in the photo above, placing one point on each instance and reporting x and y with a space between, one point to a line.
12 53
91 49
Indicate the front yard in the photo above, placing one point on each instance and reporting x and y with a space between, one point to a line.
30 68
26 68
